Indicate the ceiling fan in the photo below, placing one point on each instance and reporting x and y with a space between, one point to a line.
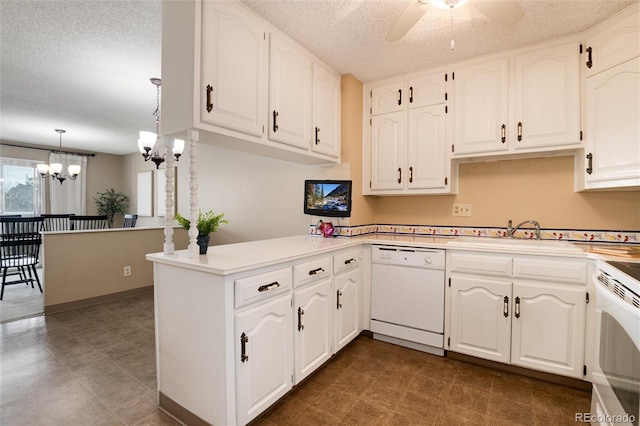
505 12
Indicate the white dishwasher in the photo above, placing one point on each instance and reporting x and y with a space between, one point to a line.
407 297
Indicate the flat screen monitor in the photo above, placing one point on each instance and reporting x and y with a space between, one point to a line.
327 198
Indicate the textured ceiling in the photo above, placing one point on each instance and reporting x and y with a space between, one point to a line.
84 65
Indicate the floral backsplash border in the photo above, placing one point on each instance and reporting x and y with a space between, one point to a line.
574 235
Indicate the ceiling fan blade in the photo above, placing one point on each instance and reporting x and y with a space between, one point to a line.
407 20
504 12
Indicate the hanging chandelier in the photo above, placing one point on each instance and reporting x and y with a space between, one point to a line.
149 142
55 169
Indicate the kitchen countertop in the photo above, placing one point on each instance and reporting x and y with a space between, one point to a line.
234 258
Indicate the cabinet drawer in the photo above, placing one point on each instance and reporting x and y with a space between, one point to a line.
311 271
485 264
263 286
345 261
547 269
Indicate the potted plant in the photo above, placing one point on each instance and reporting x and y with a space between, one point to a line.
111 203
207 223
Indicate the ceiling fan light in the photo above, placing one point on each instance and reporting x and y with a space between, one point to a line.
445 4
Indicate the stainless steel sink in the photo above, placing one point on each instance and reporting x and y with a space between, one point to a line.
551 246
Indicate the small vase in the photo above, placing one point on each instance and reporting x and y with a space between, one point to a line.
203 243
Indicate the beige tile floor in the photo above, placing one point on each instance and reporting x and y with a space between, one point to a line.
97 366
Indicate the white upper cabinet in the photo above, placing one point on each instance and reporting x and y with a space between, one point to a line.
528 101
406 151
481 107
243 84
611 68
613 128
547 98
289 93
233 68
326 112
388 98
616 42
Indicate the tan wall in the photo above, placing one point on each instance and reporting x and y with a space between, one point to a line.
351 136
538 188
81 265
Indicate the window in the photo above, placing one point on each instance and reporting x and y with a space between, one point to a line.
20 187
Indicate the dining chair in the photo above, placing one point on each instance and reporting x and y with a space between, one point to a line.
88 222
130 220
20 241
56 222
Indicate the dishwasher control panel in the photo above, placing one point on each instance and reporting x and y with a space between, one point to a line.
408 256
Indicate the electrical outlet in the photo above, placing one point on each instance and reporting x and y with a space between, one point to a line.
462 209
127 271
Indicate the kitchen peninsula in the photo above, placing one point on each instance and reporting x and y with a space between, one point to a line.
228 340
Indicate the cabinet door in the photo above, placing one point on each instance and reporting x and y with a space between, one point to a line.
548 327
289 94
426 90
613 129
613 45
481 107
234 55
547 98
347 312
426 146
326 112
264 356
480 318
313 332
387 151
388 98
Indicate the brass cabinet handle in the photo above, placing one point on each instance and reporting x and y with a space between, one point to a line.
209 103
316 271
520 131
590 164
267 287
338 304
244 339
505 309
589 57
399 175
503 132
300 314
517 308
275 117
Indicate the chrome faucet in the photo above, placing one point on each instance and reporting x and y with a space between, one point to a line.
511 230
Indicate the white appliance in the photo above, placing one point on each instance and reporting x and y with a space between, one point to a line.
616 372
407 297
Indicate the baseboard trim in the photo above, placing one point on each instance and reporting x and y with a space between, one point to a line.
179 412
549 377
83 303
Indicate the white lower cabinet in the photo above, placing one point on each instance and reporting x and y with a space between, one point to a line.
533 323
548 323
477 326
347 311
264 356
312 333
